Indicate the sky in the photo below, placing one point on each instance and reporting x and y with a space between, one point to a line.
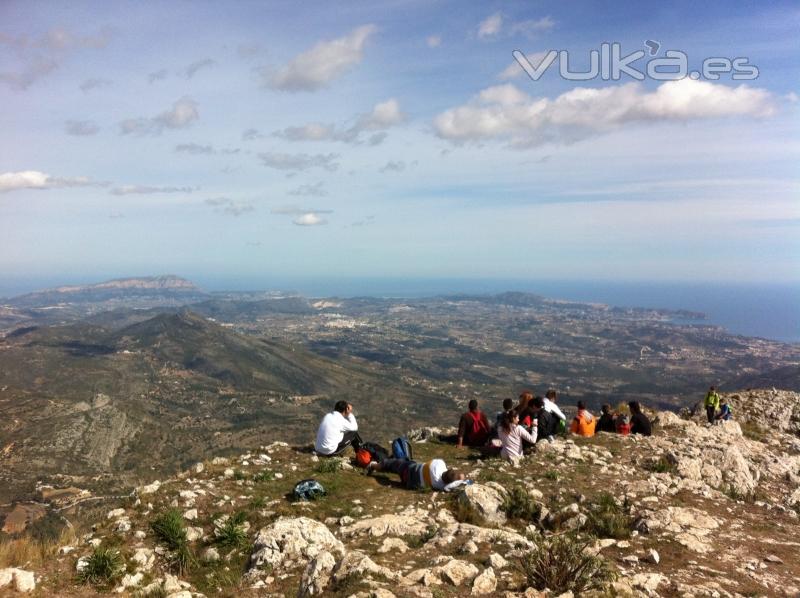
253 141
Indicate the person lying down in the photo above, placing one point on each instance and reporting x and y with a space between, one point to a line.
433 474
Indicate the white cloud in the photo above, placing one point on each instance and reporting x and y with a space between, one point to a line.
326 61
281 161
148 190
229 206
316 190
309 219
383 116
81 128
33 70
506 113
192 69
490 26
514 70
434 41
532 27
34 179
182 114
91 84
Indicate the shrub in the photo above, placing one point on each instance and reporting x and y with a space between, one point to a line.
232 533
561 564
606 519
661 465
519 504
465 513
103 567
329 465
264 476
422 539
170 529
551 475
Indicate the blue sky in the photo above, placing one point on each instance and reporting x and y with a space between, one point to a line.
254 140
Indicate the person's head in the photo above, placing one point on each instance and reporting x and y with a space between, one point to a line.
635 407
606 408
537 403
473 405
452 475
581 405
723 401
525 398
509 420
712 388
552 395
508 404
341 407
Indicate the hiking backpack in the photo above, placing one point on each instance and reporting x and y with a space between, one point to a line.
308 490
376 451
401 449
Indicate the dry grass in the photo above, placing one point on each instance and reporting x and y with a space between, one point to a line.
32 552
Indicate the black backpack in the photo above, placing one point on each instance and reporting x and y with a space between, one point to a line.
376 451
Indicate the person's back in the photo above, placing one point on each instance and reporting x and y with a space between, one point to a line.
711 403
606 421
583 424
640 424
546 425
512 435
473 427
337 431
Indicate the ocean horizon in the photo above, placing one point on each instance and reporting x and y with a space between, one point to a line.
763 310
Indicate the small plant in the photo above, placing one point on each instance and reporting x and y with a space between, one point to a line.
103 567
551 475
519 504
422 539
731 492
561 564
232 534
329 465
661 465
170 529
264 476
607 519
239 475
155 592
465 513
259 502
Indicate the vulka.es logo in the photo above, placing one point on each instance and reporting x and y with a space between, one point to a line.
609 64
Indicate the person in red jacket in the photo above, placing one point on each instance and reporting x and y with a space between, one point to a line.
473 428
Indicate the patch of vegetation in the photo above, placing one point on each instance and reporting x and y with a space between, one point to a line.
465 513
753 431
607 519
258 502
661 465
731 492
264 476
551 475
170 530
232 533
103 567
155 592
239 475
331 465
422 539
519 504
561 564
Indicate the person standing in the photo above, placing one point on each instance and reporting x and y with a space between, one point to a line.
711 404
337 431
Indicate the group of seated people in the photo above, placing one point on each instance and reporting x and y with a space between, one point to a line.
532 420
535 419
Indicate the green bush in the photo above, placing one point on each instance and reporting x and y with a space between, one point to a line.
170 530
519 504
232 533
561 564
103 567
264 476
661 465
607 519
331 465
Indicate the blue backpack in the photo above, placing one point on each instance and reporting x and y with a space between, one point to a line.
308 490
401 449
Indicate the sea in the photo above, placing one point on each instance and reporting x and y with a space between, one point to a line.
765 310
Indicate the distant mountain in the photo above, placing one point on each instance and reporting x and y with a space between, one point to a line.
786 377
161 287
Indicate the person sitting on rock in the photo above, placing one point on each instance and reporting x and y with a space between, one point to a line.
639 422
473 428
550 398
415 476
606 421
544 422
512 435
584 423
725 412
337 431
711 403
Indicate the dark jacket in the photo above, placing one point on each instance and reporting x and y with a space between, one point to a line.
641 425
547 424
606 423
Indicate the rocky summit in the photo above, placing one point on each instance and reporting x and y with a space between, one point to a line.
694 510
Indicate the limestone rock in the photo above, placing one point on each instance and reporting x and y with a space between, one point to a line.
485 500
411 521
291 538
24 581
485 583
210 555
393 545
497 562
457 572
316 575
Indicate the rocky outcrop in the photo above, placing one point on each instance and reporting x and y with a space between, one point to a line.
289 541
485 500
20 579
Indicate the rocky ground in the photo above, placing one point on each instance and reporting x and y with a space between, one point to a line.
694 510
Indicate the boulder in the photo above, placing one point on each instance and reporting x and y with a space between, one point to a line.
144 558
485 501
393 545
292 538
24 581
357 564
210 555
317 574
409 522
736 471
485 583
457 572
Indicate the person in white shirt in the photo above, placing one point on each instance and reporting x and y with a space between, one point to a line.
337 431
550 406
434 474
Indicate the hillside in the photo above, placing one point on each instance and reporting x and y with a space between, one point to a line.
95 407
692 511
